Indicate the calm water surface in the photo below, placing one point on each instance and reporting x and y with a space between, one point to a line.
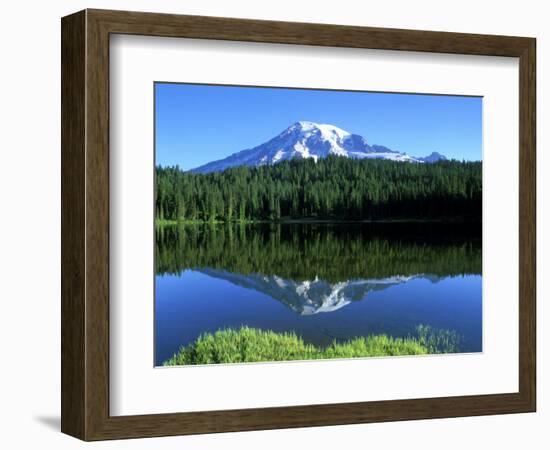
324 282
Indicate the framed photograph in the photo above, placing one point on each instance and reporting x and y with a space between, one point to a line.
273 225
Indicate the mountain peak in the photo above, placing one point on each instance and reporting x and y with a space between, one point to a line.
434 157
311 140
304 125
326 130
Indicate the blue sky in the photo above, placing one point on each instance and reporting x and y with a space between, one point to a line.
196 124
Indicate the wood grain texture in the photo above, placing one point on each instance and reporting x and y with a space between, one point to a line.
85 224
201 27
73 227
97 225
527 224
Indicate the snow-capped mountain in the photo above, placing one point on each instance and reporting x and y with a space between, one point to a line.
311 296
311 140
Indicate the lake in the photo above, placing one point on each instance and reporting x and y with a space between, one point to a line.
324 281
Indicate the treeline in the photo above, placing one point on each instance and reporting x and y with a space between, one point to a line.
332 253
333 188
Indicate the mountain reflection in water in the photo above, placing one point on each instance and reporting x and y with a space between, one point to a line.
322 281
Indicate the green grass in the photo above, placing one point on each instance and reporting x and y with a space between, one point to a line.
253 345
437 340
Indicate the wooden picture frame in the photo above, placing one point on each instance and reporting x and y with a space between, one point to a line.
85 224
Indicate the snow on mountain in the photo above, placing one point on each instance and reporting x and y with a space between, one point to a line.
310 296
311 140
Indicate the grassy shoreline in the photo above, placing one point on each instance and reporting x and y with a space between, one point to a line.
254 345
